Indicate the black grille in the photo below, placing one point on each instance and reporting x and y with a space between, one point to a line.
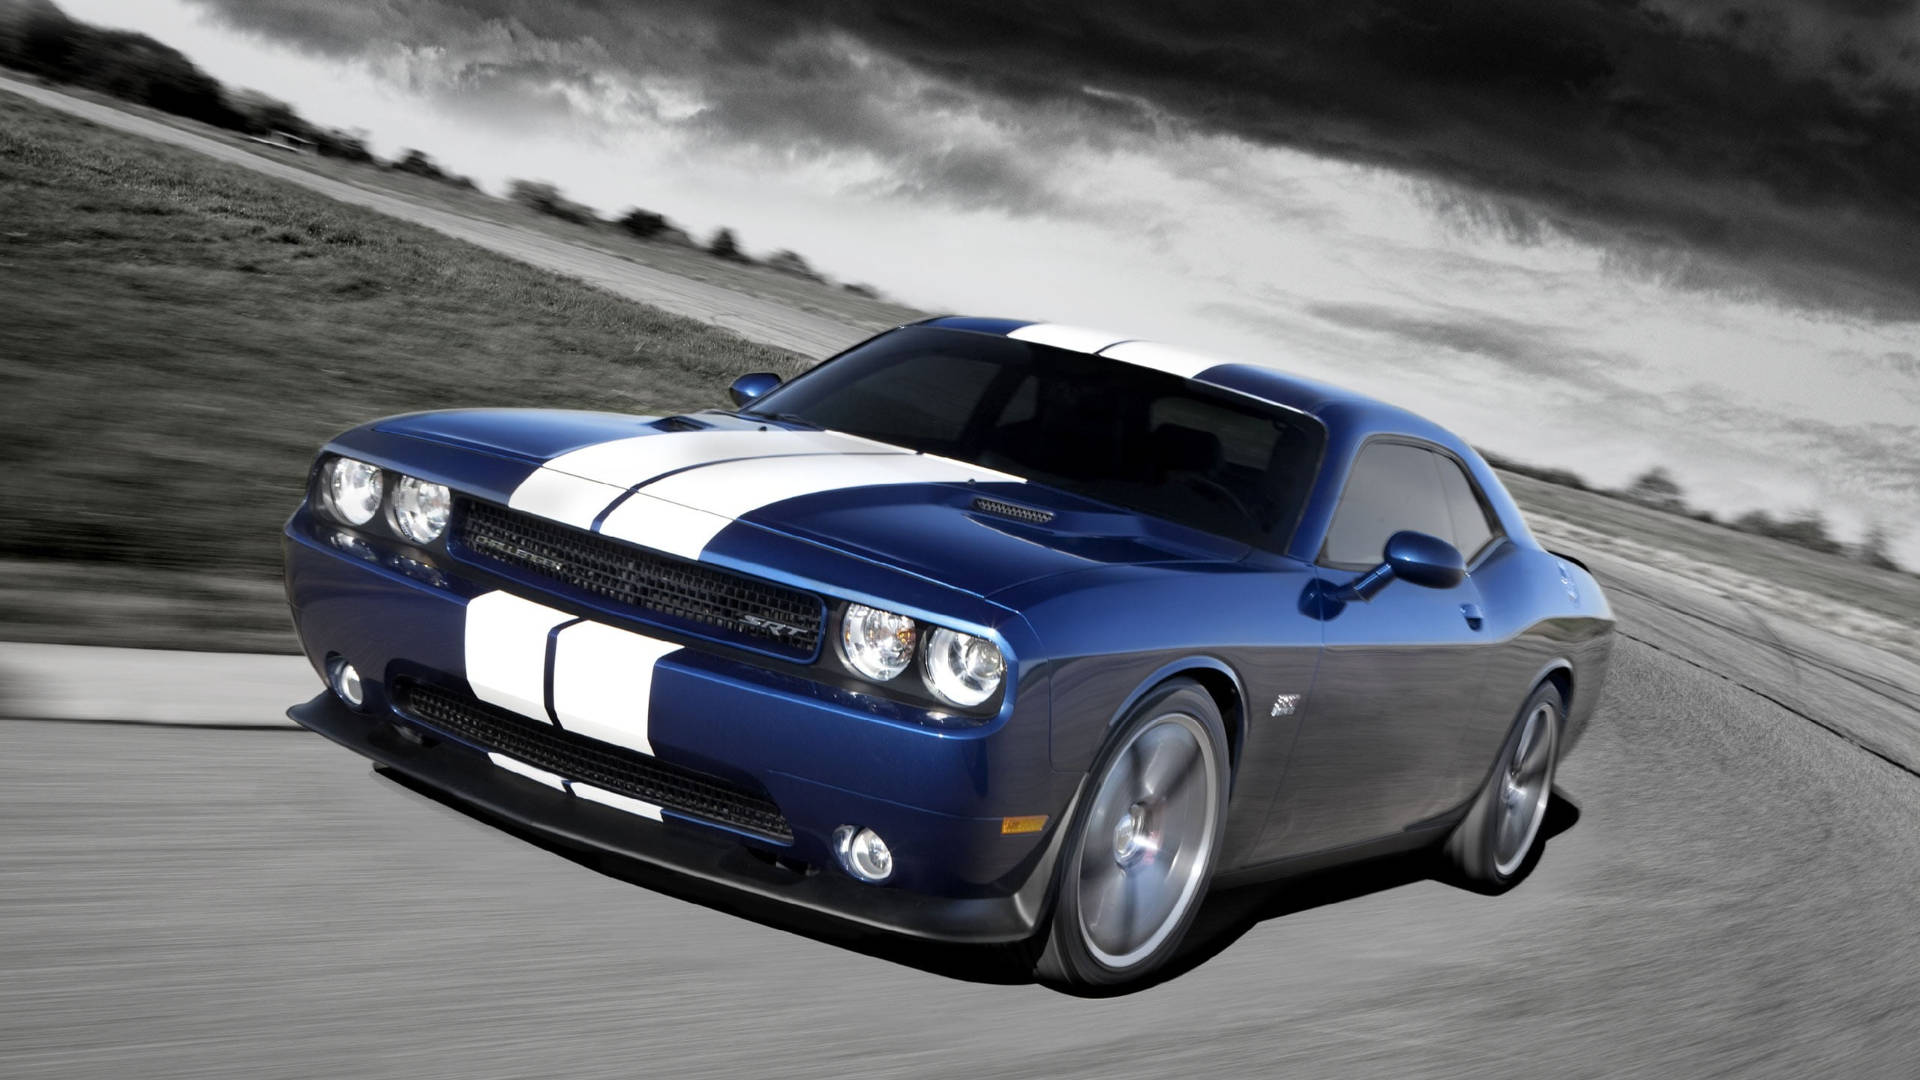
1029 514
590 761
757 611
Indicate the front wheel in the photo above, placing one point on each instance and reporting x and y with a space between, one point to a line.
1498 841
1144 843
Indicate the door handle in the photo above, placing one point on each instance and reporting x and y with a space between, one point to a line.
1473 615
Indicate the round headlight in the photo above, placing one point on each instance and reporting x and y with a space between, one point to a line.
420 509
962 669
878 644
353 490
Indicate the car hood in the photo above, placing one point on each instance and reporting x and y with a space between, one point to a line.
984 536
531 435
706 486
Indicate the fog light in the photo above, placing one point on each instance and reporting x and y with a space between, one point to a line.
862 853
353 545
345 680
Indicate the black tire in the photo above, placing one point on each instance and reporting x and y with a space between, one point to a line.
1490 851
1178 717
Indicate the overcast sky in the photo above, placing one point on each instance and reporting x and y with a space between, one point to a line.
1598 234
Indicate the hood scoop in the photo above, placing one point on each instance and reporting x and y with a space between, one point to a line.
1028 514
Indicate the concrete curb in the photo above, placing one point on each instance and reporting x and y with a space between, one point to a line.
92 684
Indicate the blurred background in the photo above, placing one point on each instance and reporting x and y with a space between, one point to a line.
1643 251
1659 260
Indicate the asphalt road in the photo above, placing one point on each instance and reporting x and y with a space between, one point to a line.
1733 898
1730 893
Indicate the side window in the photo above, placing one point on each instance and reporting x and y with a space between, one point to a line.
1392 487
1471 528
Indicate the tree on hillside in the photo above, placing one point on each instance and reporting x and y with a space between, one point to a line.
346 145
545 198
1657 488
1807 529
644 224
791 262
418 163
724 245
264 115
533 194
1872 549
36 36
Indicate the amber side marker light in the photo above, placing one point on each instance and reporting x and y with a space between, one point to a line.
1030 823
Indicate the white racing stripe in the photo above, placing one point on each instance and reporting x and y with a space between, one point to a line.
663 526
513 765
563 497
626 462
1162 358
1071 338
1149 354
618 802
576 488
682 513
733 488
603 683
506 651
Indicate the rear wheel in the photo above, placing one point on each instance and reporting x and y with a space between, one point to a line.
1144 842
1498 841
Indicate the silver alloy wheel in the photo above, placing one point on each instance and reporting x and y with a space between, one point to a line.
1147 841
1526 782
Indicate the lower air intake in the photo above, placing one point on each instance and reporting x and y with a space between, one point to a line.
590 761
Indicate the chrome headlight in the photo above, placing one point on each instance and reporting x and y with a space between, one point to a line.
961 669
353 489
878 644
420 509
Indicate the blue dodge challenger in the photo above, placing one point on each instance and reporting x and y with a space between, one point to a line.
981 631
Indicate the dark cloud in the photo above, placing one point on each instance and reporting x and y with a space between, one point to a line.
1735 144
1525 350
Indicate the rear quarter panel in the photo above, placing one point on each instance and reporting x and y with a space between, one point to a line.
1548 615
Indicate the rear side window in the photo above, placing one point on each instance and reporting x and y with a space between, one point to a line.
1391 487
1471 529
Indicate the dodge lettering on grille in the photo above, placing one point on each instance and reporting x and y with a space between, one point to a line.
514 551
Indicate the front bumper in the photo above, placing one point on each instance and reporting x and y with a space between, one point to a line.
821 756
694 850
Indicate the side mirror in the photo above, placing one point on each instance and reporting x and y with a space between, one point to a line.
1423 560
1414 557
747 387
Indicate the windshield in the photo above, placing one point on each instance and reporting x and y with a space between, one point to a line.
1112 431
